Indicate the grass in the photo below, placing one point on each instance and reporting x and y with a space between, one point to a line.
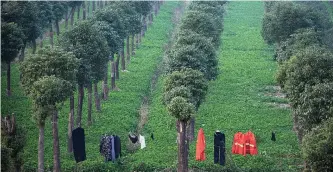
234 102
119 114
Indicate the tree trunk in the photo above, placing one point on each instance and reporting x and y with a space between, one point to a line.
72 16
41 41
8 80
66 19
93 5
56 148
80 104
137 40
22 52
144 26
57 27
113 75
101 4
34 46
84 10
190 131
123 63
105 87
78 13
117 64
97 99
51 36
132 52
70 125
128 49
88 8
41 149
89 103
182 148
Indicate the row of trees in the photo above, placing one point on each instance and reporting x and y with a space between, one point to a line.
80 60
305 74
192 61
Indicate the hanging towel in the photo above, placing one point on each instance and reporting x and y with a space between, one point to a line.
142 141
201 146
79 147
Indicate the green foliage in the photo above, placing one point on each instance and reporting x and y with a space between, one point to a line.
89 46
143 7
192 79
11 41
316 105
58 9
180 108
311 66
6 160
202 24
45 14
285 18
317 147
180 91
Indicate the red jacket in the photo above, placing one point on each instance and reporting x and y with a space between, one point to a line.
201 146
250 144
238 144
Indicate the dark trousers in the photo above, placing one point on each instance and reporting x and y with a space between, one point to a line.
219 155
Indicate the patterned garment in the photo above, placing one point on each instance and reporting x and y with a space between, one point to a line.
105 147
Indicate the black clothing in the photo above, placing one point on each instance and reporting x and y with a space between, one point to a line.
117 146
152 136
273 137
133 139
79 146
219 148
105 147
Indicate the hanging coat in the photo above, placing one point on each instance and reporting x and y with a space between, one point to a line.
238 144
79 147
250 144
201 146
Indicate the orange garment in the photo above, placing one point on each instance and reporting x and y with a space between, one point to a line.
238 144
201 146
250 144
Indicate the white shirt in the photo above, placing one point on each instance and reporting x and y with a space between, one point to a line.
142 141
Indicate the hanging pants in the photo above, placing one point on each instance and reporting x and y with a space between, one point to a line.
79 147
219 148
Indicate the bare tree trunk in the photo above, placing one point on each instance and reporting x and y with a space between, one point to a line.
70 125
113 75
34 46
80 104
8 80
117 64
22 52
132 52
97 99
72 16
78 13
138 37
123 63
101 4
190 131
143 30
105 87
88 8
84 10
56 148
41 148
57 27
128 49
182 156
51 36
89 103
41 41
93 5
66 19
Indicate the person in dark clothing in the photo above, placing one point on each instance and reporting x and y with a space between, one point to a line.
79 146
219 148
117 146
133 138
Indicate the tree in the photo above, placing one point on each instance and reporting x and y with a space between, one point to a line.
202 24
90 46
49 78
46 18
11 44
317 147
143 8
59 9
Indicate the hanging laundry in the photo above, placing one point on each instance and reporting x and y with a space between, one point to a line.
250 144
106 148
273 137
219 148
201 146
79 147
117 146
152 136
142 141
133 138
238 144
